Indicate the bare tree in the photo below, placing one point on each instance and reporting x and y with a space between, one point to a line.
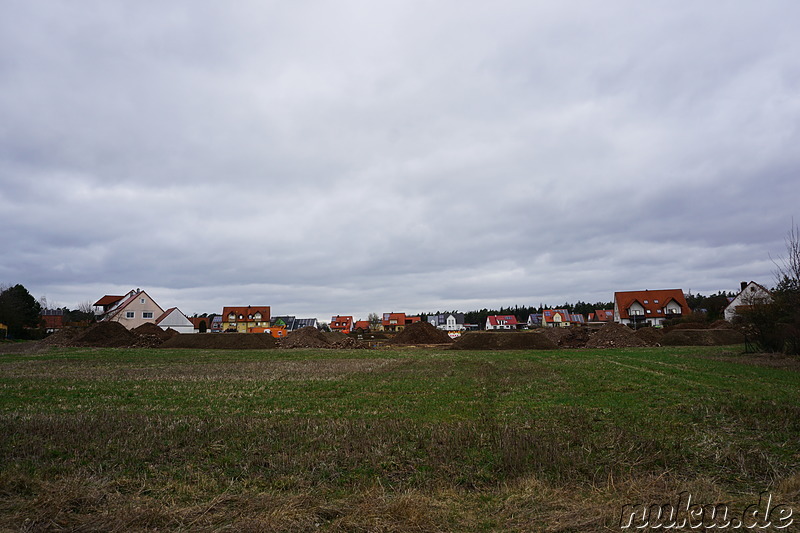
787 268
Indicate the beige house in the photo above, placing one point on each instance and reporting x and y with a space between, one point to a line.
132 310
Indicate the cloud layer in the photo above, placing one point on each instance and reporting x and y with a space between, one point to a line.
353 157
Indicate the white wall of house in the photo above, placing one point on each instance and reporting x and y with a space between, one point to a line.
752 294
177 321
140 310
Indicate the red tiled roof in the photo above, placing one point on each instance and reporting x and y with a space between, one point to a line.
341 322
108 300
164 314
361 324
652 301
603 315
245 312
548 315
509 320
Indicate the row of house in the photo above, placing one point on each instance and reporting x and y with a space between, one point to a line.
636 308
650 307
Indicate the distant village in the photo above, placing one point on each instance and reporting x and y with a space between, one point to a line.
642 308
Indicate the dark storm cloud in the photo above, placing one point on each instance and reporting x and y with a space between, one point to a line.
351 157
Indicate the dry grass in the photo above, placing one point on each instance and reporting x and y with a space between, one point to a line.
403 440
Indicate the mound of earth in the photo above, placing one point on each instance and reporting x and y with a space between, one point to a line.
503 341
221 341
421 333
572 337
148 328
722 324
614 335
61 338
105 335
702 337
311 337
651 336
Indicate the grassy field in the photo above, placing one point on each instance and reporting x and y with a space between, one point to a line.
388 440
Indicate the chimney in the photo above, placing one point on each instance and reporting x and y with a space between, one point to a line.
744 284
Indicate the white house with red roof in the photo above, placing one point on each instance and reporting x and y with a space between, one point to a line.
132 310
174 319
560 318
651 307
501 322
750 295
342 324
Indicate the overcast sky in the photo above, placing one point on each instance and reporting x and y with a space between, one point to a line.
348 157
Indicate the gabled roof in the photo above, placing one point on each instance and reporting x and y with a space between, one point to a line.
502 320
246 312
548 315
362 324
107 300
604 315
132 296
339 321
652 301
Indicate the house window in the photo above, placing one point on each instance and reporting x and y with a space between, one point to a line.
645 301
147 314
130 314
659 311
648 311
141 300
655 301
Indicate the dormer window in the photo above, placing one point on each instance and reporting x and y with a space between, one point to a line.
655 301
646 301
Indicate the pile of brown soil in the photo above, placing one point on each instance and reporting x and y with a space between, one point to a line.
421 333
614 335
503 341
311 337
722 324
221 341
148 328
651 336
105 335
337 339
689 325
61 338
572 337
702 337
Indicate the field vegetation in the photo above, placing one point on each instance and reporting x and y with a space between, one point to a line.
394 439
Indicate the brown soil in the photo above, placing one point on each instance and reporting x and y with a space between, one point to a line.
702 337
221 341
614 335
503 341
311 337
722 324
148 328
651 336
421 333
105 335
572 337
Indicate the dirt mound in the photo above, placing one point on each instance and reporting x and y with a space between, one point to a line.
689 325
61 338
148 328
221 341
503 341
311 337
651 336
572 337
614 335
702 337
722 324
421 333
105 335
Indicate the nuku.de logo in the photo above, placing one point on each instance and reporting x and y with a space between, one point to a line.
685 514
